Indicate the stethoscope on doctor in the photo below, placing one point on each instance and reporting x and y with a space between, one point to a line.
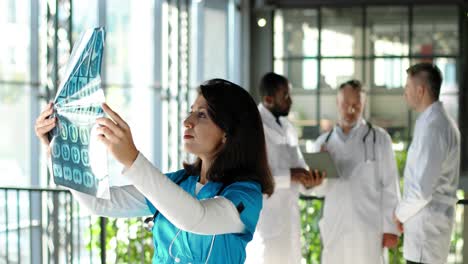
370 129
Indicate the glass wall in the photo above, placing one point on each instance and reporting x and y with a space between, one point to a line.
318 49
156 53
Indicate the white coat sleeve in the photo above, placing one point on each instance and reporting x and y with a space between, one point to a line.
323 188
207 217
125 201
390 185
422 170
282 176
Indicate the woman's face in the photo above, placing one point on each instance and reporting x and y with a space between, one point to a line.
202 137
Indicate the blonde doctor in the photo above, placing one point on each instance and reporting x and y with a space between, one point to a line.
427 209
357 224
277 237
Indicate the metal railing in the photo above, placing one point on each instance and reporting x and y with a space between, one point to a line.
46 225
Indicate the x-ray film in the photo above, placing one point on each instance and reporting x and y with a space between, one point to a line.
79 161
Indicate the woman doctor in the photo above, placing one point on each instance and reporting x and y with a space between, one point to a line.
208 211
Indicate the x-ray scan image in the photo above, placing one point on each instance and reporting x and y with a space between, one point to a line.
79 161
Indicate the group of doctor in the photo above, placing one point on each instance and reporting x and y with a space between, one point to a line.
364 213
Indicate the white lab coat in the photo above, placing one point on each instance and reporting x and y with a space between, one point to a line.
359 205
427 209
277 237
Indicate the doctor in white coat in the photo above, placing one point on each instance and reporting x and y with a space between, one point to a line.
427 209
357 224
277 237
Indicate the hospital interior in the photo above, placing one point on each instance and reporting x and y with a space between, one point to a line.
155 55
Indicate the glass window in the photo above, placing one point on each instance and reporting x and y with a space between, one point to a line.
301 73
215 39
390 111
435 30
16 129
84 16
130 43
388 73
337 71
295 33
15 44
387 31
341 33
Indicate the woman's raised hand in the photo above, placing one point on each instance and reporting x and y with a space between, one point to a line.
115 133
44 124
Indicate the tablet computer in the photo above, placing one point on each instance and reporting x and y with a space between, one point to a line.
321 161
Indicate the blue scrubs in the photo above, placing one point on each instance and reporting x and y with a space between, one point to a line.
192 248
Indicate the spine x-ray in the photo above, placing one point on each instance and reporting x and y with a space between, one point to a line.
79 161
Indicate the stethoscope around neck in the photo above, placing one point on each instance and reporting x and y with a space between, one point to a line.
370 129
149 223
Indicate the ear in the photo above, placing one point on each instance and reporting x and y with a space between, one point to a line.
224 138
268 100
420 90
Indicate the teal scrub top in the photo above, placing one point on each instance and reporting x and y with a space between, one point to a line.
193 248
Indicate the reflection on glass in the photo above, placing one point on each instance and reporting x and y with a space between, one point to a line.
337 71
389 73
387 31
295 33
14 29
301 73
435 30
341 32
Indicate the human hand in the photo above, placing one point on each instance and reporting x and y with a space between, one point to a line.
307 178
115 133
389 240
44 124
399 224
314 178
298 174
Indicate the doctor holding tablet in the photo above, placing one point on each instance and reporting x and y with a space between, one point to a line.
357 224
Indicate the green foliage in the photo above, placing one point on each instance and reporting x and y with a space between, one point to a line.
126 240
311 212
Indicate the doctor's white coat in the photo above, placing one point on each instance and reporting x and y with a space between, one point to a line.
277 237
427 209
359 205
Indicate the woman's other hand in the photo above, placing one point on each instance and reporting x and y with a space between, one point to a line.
115 133
44 124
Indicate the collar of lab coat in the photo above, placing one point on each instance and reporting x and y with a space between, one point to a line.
433 108
269 118
352 132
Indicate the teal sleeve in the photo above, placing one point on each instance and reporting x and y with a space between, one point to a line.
248 199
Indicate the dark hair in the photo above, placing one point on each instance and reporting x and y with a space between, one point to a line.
271 82
355 84
243 156
428 73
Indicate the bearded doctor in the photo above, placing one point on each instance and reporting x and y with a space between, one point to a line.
357 224
427 210
277 237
